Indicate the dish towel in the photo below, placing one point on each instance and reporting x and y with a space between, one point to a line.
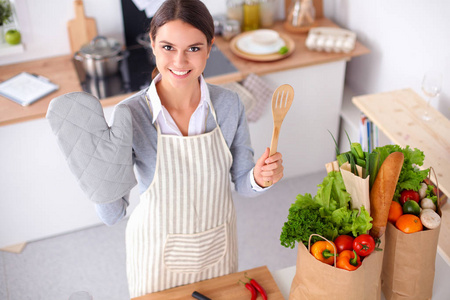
262 93
150 6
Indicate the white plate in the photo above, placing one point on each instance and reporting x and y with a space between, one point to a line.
247 45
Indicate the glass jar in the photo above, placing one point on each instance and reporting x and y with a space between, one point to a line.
231 28
235 10
268 9
301 13
251 15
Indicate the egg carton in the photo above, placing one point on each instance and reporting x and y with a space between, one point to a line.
331 39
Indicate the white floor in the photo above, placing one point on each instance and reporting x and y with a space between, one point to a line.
94 259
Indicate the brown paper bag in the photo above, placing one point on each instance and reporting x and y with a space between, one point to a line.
316 280
408 264
357 187
409 261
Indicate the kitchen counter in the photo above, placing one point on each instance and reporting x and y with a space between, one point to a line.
61 71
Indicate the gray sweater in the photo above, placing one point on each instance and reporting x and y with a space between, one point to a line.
232 122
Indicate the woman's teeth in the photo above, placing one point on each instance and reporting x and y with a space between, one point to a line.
179 73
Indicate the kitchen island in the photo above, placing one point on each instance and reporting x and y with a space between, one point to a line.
42 198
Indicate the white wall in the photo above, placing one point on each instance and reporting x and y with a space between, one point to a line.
406 38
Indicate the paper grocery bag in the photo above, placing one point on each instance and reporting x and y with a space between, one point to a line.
316 280
357 187
408 264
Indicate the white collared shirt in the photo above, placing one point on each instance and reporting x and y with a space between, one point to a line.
197 122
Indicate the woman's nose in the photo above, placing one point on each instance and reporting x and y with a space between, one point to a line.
180 58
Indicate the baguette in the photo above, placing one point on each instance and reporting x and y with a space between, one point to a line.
382 192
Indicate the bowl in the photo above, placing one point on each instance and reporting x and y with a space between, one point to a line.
265 36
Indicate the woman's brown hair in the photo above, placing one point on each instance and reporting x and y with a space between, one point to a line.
193 12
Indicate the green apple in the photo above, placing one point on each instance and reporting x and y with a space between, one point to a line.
12 37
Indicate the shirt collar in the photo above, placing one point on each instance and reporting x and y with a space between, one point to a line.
155 101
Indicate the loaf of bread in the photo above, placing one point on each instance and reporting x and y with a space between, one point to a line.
382 192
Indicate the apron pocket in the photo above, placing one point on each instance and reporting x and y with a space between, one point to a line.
189 253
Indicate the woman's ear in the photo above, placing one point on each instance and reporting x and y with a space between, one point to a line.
210 46
152 43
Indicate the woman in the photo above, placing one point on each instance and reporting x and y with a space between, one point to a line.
187 138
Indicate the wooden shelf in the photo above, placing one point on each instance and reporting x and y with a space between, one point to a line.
398 115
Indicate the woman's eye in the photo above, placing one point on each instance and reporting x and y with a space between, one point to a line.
167 47
194 49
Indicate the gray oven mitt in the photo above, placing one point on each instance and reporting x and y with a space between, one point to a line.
98 155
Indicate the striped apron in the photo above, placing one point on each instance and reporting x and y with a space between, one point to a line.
184 228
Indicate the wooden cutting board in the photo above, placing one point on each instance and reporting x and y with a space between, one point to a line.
81 29
223 288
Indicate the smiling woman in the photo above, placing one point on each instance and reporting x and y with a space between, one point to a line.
185 138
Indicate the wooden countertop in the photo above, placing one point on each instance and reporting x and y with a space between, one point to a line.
61 71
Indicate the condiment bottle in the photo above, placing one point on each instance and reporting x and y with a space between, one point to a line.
251 15
235 10
267 12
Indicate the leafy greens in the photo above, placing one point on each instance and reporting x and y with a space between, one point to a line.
327 214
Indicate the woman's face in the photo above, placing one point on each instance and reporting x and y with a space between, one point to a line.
181 51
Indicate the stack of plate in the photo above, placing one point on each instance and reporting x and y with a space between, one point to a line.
261 45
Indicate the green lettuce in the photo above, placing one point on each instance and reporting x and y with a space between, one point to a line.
327 214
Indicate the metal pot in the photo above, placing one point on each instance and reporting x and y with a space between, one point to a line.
144 40
101 57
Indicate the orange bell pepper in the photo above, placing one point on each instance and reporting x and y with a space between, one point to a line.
348 260
323 251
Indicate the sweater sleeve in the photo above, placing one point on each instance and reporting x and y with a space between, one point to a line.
242 152
113 212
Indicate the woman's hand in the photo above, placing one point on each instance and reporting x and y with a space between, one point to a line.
268 168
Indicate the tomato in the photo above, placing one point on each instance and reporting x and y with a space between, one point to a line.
409 195
343 242
364 244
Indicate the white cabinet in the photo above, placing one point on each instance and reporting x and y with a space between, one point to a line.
304 139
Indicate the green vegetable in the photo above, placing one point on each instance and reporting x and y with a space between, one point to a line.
356 156
283 50
430 194
301 224
327 214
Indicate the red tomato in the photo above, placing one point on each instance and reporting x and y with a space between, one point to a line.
364 244
343 242
409 195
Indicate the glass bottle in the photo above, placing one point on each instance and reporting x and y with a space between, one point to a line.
268 9
235 10
301 13
251 15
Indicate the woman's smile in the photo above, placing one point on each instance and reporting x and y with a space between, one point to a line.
180 73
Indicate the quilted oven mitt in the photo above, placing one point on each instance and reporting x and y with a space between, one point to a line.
100 156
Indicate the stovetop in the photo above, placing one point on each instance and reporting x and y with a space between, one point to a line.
135 73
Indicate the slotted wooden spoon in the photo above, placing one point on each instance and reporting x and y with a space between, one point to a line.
281 102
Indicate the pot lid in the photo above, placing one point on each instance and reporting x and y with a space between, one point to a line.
100 47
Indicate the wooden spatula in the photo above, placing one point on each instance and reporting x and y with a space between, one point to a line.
281 102
81 29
